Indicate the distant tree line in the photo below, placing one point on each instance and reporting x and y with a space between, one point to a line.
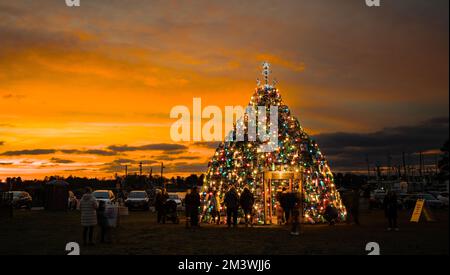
129 182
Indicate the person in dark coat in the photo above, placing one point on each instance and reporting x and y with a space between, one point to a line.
290 201
285 205
355 206
331 214
247 200
294 199
352 203
194 204
231 201
187 209
390 210
160 202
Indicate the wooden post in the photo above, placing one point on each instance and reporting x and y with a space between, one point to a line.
270 200
266 210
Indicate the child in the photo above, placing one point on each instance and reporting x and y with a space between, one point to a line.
215 210
103 222
280 213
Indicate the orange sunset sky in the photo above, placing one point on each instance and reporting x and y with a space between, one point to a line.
85 91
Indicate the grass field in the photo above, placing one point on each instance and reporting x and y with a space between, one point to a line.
41 232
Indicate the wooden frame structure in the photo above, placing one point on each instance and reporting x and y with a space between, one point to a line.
295 180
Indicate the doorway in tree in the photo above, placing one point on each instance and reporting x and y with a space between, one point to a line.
274 182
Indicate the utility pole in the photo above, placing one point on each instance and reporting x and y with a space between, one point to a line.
162 172
368 166
140 168
389 164
420 171
436 165
420 164
126 170
405 174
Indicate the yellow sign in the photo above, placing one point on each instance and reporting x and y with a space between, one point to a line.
417 210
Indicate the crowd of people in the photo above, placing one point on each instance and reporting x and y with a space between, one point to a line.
287 202
288 210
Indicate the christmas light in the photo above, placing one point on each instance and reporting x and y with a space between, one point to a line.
243 164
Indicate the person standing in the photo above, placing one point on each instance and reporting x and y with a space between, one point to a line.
231 201
160 203
247 200
187 210
355 206
194 200
295 200
284 202
88 207
390 210
215 207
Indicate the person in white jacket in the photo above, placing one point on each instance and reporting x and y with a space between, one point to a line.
88 208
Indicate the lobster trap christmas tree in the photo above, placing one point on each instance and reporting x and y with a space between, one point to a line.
243 163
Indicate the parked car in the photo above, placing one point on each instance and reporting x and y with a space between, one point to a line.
176 199
21 199
138 200
72 201
105 195
430 201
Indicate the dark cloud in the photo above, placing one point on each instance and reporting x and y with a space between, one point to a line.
76 170
29 152
61 161
171 158
71 151
166 147
123 161
117 165
100 152
53 151
348 151
12 96
6 163
2 143
185 167
110 151
207 144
